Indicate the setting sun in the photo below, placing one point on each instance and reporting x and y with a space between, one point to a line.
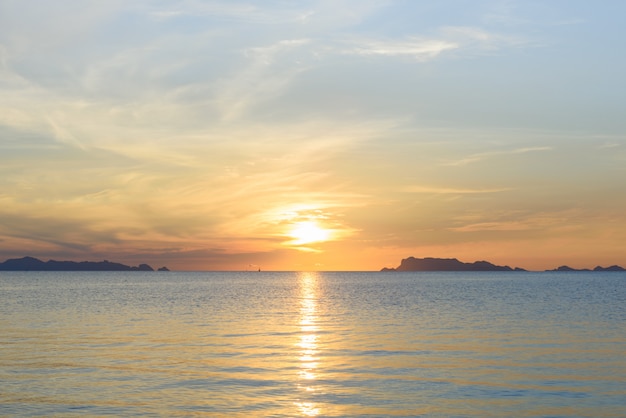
307 232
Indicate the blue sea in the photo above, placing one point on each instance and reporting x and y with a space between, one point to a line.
263 344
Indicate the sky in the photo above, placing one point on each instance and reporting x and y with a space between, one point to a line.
313 135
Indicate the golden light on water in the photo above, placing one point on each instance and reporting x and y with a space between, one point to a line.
308 409
308 341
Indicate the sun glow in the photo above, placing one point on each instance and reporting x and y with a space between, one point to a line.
307 232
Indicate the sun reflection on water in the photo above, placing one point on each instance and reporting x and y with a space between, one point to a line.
308 341
308 409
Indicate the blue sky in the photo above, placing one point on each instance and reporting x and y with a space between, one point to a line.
201 134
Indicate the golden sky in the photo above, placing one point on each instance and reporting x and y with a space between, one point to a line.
318 135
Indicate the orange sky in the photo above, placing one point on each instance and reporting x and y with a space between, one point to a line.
239 135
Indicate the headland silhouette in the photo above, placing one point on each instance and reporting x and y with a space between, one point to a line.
34 264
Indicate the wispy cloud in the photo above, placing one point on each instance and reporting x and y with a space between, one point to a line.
610 145
473 158
492 226
450 39
261 79
477 38
543 222
62 134
316 13
450 190
420 49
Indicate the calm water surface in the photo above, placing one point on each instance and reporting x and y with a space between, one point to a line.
313 344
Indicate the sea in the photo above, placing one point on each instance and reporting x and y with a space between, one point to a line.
317 344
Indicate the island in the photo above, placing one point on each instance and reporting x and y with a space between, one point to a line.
452 264
597 268
34 264
447 264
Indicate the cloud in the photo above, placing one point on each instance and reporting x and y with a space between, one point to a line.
609 145
450 39
174 69
230 11
492 226
563 220
484 155
264 77
450 190
420 49
477 38
62 134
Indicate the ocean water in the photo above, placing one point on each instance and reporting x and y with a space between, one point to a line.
313 344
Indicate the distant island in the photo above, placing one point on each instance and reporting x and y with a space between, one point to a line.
598 268
34 264
447 264
452 264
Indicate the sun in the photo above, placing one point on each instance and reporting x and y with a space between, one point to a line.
307 232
